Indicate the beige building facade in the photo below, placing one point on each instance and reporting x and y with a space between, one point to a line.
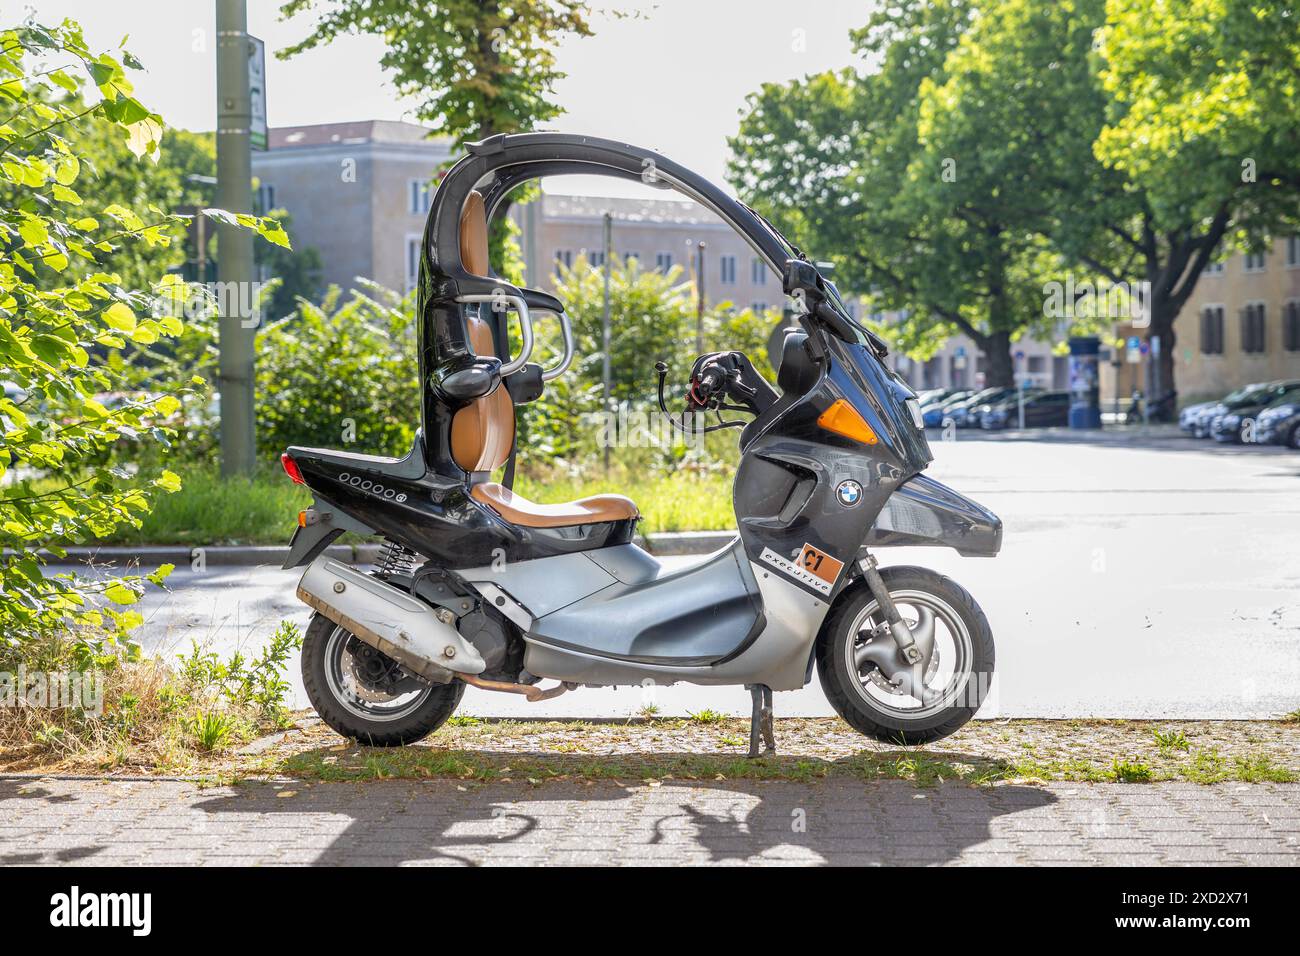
357 192
1241 324
659 233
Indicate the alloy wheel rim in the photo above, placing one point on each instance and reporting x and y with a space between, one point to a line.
342 674
949 669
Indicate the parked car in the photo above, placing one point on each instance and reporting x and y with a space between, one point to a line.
1239 416
1011 400
963 413
1200 420
1188 417
1279 423
928 396
934 412
1042 409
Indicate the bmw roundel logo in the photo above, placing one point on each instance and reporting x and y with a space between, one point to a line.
849 492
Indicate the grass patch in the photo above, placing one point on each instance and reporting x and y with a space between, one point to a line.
361 763
677 501
706 716
1170 740
1128 770
152 714
263 508
1261 768
212 510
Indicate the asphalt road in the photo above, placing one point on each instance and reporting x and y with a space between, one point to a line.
1157 579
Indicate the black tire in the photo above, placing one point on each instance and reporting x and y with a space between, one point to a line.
430 713
1293 440
841 686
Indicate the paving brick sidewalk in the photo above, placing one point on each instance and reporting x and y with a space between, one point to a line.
54 821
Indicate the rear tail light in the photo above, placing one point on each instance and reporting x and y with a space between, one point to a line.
291 469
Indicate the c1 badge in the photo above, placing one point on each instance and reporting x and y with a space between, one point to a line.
813 567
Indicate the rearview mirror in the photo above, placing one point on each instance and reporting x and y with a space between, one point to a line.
800 275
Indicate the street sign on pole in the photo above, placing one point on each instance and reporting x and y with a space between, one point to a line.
256 94
607 244
235 330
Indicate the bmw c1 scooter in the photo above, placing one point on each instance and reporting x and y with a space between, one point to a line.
478 586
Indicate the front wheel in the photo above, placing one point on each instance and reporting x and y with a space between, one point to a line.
364 694
875 691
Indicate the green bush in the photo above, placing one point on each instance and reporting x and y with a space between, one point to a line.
341 374
66 320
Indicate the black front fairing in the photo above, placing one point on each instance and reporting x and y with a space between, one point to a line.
787 489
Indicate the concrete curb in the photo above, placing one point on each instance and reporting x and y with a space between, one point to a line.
148 557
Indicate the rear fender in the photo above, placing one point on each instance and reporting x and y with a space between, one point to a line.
324 523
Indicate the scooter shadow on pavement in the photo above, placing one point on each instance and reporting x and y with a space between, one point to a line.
27 790
839 819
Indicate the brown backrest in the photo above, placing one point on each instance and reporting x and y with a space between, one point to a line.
474 235
484 430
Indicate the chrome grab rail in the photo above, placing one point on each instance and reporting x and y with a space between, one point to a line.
525 325
566 331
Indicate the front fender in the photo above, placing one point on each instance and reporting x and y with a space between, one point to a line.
923 512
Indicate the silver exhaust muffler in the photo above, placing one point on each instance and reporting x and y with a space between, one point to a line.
389 620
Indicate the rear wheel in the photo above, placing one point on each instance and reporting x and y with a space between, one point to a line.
875 691
363 693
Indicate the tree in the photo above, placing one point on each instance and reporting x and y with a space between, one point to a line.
1123 138
474 67
926 211
651 317
64 323
1201 123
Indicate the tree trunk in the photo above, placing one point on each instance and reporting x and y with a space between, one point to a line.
1000 371
1163 314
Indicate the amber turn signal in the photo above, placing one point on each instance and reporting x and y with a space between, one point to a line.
843 419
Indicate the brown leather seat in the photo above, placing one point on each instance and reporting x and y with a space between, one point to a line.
483 432
519 510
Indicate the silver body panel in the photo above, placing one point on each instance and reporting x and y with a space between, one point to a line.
613 616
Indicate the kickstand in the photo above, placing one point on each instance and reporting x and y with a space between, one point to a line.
760 723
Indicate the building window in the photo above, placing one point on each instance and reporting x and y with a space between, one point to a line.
1253 333
1212 330
1213 268
631 259
597 259
663 261
563 260
412 262
265 198
1292 251
1035 364
758 271
759 307
728 266
417 197
1255 261
1291 326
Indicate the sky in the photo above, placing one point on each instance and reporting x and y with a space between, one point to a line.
672 78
